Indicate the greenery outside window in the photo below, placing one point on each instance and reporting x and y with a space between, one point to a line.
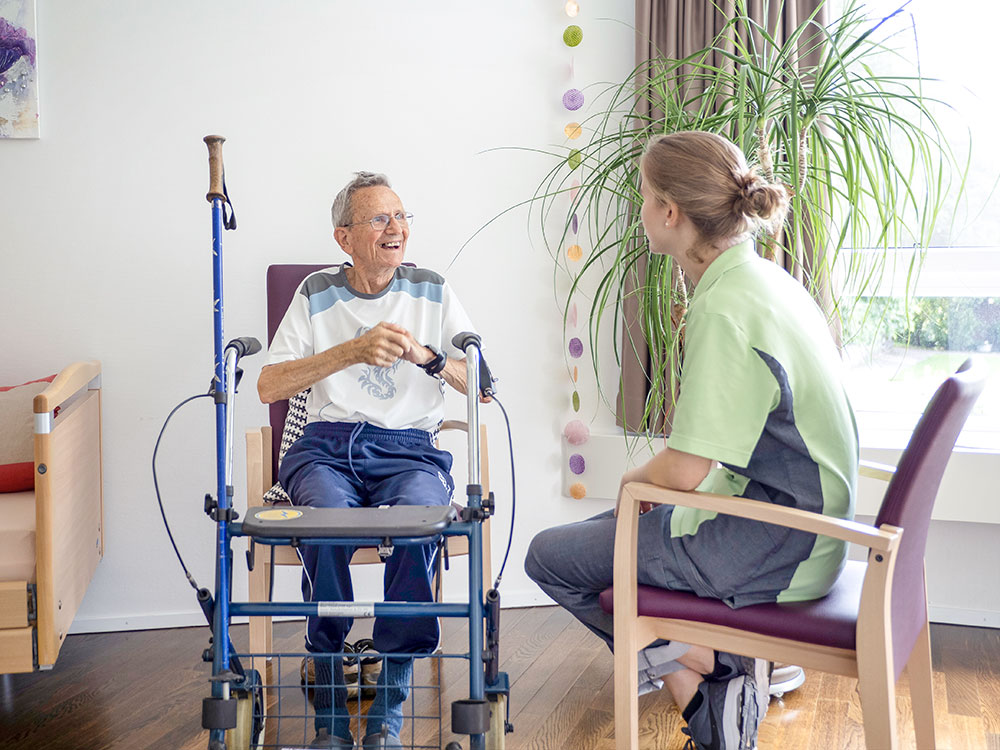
897 353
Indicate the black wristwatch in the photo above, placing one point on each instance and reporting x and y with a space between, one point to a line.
436 364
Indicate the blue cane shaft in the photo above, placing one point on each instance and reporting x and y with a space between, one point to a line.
220 662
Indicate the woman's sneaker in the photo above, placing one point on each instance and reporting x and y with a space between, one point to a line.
785 678
726 715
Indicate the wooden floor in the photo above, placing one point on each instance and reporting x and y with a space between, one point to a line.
143 690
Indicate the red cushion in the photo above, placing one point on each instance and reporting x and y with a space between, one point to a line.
17 453
830 621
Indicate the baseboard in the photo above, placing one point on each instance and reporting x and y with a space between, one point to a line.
954 616
195 618
509 600
188 619
192 619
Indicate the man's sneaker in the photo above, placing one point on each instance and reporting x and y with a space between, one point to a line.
327 741
786 678
307 671
371 666
725 715
381 741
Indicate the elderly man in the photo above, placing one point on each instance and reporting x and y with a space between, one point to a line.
372 338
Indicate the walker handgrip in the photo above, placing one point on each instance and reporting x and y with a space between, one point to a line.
215 170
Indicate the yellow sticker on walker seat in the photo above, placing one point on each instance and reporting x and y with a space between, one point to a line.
277 514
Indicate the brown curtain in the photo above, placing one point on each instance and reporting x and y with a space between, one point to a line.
675 29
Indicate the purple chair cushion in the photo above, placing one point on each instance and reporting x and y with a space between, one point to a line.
830 621
282 283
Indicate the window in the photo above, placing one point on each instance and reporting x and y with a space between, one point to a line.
896 354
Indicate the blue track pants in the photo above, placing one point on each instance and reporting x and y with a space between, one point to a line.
353 465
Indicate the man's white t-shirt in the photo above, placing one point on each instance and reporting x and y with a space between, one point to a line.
327 311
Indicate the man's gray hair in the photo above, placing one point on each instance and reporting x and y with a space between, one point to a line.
340 212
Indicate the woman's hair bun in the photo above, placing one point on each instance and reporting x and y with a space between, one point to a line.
757 198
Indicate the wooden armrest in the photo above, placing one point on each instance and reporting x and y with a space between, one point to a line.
880 540
455 424
876 470
70 380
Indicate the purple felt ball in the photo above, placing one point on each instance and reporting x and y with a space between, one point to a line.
576 464
575 348
575 224
576 432
573 99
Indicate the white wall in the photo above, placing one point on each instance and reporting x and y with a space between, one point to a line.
106 238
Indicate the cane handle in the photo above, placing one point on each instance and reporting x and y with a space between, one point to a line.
215 170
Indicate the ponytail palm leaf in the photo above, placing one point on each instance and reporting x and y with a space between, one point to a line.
861 152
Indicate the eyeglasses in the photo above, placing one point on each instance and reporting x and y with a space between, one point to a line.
380 221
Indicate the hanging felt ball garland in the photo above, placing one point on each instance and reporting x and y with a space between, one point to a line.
576 432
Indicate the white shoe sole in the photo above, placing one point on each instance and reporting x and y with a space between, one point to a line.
786 679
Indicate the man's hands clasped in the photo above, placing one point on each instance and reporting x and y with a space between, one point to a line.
382 345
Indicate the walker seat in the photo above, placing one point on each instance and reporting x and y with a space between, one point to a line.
304 522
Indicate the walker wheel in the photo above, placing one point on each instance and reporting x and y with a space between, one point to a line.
249 714
452 746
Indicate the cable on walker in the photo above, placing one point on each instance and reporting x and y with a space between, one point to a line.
236 714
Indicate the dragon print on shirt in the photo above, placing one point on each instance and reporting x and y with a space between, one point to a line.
378 381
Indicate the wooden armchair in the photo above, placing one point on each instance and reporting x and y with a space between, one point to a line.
52 538
871 625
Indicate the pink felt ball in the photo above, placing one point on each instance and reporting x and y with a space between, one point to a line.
576 432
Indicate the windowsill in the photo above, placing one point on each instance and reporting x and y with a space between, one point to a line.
892 430
966 493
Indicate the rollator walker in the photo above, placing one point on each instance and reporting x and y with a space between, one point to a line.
235 713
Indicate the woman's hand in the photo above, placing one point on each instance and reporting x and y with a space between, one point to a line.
632 475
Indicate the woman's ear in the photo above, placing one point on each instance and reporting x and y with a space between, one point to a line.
671 213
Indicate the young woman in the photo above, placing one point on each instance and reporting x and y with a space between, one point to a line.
761 413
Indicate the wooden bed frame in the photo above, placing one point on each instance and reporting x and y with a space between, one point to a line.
69 527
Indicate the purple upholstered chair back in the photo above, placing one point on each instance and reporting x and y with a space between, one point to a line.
282 283
910 496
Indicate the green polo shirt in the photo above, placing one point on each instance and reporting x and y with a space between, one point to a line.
760 393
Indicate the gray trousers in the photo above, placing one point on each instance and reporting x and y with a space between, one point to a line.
574 563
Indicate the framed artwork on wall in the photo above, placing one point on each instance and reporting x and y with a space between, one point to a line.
18 70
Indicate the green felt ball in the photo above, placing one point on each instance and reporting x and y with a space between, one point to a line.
573 35
576 401
574 159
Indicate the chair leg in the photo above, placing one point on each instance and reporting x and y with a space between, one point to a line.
877 688
922 691
626 693
260 581
437 586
